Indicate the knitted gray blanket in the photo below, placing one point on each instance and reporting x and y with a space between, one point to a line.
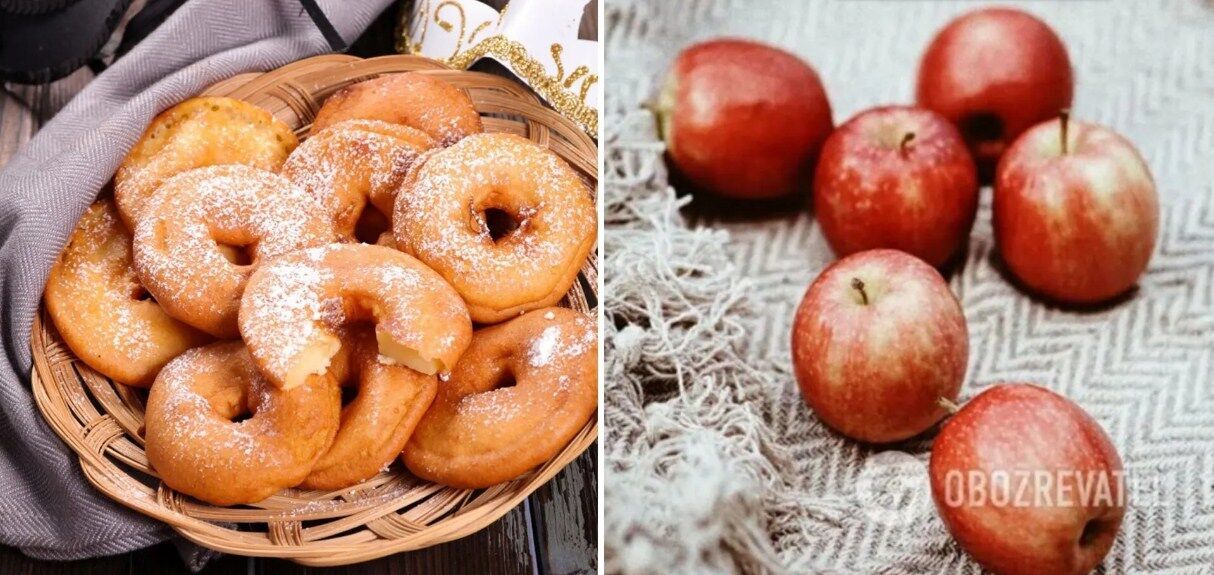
713 462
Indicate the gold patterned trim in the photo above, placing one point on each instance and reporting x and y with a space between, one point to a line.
550 87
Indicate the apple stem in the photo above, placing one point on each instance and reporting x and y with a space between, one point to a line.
948 406
906 140
1064 116
858 285
654 108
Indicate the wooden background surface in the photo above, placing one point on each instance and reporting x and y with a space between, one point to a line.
554 532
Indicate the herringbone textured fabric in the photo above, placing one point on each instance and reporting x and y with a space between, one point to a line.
714 462
46 506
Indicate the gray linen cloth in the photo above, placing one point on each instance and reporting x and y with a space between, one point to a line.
46 506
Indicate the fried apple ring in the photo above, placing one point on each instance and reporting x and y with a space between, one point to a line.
295 305
446 206
199 444
376 425
417 100
198 132
353 162
97 304
178 242
482 431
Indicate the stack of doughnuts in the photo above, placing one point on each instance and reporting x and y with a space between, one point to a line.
303 314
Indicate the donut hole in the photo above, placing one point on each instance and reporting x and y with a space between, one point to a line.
237 255
242 416
505 379
500 223
230 403
348 394
139 293
371 224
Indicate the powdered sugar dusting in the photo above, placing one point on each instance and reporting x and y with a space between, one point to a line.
281 314
92 297
562 340
177 250
193 433
439 218
218 430
543 347
353 162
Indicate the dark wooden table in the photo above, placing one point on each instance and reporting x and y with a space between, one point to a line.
554 532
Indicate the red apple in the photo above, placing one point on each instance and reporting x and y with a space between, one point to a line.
877 342
743 120
1075 221
995 72
896 177
1028 483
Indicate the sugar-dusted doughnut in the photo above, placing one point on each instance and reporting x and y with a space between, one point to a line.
481 430
445 214
353 162
217 430
377 423
98 306
414 99
177 243
294 306
198 132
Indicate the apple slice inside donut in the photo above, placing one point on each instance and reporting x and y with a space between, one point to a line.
399 354
296 309
313 360
317 358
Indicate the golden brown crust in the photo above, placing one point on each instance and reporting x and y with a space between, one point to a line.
379 421
179 243
198 132
95 301
197 448
441 218
412 99
478 433
355 162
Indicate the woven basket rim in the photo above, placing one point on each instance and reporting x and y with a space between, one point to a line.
394 512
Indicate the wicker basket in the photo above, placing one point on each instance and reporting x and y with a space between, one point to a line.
390 513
